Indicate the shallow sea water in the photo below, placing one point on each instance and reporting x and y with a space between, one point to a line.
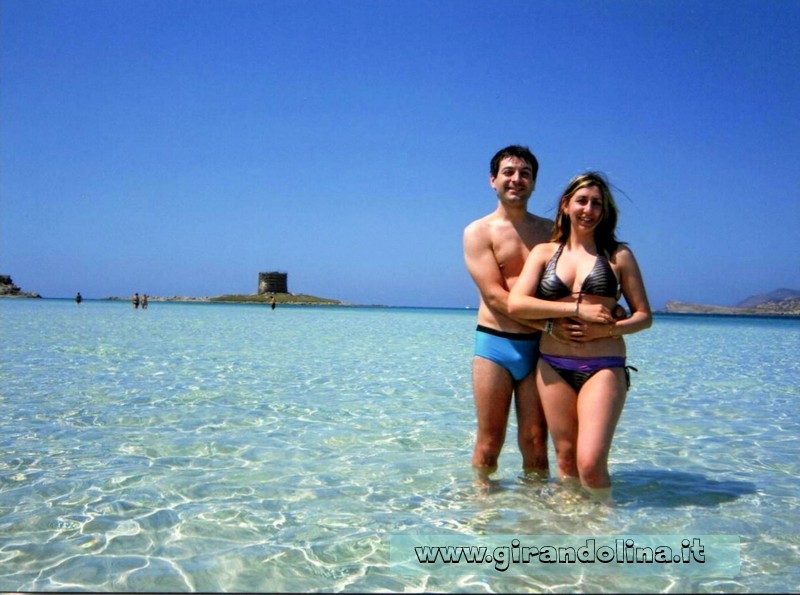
205 447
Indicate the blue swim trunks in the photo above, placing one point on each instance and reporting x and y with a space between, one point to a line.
516 352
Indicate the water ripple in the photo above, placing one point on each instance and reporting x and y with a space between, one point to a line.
213 448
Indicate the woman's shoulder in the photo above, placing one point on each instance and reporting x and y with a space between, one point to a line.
622 254
546 248
544 252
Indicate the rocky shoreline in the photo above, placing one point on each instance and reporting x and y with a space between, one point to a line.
687 308
8 289
280 298
781 302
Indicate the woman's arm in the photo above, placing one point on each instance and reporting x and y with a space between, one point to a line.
522 303
641 317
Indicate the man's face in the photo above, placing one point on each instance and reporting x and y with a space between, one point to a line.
514 181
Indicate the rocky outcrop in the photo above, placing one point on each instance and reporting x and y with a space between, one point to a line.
280 298
781 302
779 296
675 307
788 307
8 289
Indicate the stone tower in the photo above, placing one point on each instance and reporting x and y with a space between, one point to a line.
272 283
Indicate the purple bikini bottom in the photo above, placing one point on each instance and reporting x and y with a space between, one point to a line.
577 370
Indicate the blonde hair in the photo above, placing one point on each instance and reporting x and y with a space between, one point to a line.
605 232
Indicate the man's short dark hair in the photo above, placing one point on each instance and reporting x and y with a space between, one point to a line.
518 151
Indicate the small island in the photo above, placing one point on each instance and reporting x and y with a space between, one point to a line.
272 286
280 298
235 298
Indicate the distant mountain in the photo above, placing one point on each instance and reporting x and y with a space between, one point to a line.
775 297
781 302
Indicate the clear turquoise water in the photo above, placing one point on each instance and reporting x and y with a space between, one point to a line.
197 447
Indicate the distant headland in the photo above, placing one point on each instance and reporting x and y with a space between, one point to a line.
781 302
272 286
8 289
280 298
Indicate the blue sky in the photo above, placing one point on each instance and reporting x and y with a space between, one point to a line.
179 147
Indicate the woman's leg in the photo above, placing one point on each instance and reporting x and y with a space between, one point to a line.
559 401
600 405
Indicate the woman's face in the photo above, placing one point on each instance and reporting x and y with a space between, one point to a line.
585 208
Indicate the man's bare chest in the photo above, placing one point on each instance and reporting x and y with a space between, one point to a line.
510 254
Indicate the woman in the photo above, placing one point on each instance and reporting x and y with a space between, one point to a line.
579 275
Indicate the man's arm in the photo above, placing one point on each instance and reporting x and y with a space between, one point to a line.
485 272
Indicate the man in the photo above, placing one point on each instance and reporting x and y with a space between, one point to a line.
506 347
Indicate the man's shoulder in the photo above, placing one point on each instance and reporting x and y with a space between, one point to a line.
538 229
482 221
494 223
480 227
541 222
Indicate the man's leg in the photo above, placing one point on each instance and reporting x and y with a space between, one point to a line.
493 387
531 427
